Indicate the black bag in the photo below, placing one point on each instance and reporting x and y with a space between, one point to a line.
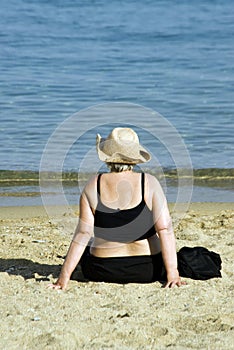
198 263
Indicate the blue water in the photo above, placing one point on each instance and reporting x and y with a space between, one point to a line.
59 57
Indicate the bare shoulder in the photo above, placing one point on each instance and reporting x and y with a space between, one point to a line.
152 181
91 186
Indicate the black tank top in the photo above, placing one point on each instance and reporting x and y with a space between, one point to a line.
126 225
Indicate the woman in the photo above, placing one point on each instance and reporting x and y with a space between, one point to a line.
124 215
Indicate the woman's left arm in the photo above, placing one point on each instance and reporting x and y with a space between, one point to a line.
83 233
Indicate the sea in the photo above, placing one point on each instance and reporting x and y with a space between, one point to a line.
73 69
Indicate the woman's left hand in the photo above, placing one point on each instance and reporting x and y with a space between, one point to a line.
56 286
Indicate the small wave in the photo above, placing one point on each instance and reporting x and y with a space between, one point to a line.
31 178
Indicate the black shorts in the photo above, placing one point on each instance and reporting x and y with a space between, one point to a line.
129 269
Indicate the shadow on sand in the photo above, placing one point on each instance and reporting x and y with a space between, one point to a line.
30 269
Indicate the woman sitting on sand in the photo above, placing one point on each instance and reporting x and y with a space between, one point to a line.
125 231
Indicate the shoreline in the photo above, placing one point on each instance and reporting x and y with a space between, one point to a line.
31 179
19 188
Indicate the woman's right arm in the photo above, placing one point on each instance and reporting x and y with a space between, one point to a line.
164 228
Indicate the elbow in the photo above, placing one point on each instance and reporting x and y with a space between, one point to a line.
165 228
82 237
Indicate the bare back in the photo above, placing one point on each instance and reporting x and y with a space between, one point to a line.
123 191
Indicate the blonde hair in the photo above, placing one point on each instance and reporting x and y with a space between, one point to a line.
119 167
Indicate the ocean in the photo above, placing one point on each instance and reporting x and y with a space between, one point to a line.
163 67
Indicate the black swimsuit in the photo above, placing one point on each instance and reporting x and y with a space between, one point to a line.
123 226
126 225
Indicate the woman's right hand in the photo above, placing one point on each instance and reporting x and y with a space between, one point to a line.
173 279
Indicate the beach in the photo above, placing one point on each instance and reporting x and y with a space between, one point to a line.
92 315
69 71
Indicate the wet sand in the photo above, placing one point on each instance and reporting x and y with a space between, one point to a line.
110 316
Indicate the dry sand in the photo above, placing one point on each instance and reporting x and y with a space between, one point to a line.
110 316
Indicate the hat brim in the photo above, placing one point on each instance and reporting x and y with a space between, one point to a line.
140 154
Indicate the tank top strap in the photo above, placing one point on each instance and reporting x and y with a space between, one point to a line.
98 184
143 185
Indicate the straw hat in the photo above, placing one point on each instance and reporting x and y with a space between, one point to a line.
121 146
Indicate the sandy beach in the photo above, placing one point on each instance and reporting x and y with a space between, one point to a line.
109 316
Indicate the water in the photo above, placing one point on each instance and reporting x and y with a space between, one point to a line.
59 57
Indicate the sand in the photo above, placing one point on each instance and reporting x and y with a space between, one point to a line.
110 316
